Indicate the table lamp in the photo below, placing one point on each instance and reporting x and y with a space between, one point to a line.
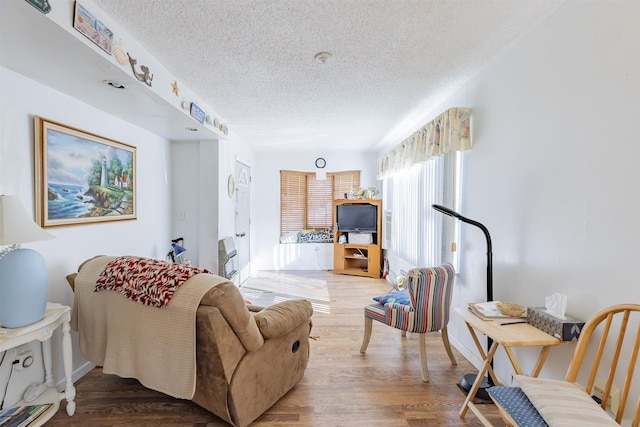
176 253
467 380
23 272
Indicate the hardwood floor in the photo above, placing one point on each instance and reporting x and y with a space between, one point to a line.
341 387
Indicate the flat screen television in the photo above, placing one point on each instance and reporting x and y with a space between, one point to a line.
357 218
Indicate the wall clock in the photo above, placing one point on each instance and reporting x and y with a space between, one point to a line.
320 162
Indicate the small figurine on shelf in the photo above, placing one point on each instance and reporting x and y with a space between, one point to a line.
361 193
372 193
356 193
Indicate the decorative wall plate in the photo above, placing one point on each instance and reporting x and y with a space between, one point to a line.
231 186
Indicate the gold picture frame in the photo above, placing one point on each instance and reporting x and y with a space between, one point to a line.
81 177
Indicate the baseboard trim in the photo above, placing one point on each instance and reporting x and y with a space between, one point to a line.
78 373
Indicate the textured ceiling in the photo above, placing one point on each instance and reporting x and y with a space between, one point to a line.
392 61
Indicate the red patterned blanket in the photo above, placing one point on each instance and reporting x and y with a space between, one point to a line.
145 280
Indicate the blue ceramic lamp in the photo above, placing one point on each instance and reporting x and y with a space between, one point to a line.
23 272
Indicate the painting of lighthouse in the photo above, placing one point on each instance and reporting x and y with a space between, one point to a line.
82 177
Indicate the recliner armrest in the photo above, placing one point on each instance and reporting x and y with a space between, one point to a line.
254 308
279 319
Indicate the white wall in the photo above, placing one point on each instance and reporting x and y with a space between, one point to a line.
231 150
202 211
20 100
195 200
554 170
268 254
185 204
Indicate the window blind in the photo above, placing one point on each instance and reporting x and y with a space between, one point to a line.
306 202
319 198
293 201
419 235
345 182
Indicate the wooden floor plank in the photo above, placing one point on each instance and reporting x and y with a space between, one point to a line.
341 387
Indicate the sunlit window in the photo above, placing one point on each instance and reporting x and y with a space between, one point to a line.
419 235
307 203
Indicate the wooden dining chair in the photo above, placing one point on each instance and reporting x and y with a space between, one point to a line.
425 310
608 338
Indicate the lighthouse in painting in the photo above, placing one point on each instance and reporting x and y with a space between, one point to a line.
103 178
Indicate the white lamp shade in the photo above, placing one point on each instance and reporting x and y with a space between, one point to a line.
16 225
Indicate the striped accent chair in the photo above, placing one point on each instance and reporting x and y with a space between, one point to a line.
430 296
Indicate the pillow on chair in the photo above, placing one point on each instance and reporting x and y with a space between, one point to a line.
400 297
577 409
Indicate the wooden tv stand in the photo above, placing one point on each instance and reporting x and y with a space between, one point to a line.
358 259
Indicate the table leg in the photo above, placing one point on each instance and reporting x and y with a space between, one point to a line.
46 358
476 341
70 390
468 402
484 420
512 358
482 353
544 352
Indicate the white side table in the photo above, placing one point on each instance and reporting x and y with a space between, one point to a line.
55 315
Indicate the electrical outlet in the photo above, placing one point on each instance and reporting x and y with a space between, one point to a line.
614 395
23 360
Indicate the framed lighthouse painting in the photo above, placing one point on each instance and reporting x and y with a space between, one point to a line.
81 177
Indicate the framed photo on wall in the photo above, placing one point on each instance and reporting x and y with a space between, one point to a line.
81 177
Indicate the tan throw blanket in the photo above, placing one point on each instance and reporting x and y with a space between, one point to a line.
157 346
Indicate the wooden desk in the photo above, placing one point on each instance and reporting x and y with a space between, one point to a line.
509 336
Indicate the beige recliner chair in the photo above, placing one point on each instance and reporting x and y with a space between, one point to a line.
238 383
247 357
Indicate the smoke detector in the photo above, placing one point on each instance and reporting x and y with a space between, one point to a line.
322 57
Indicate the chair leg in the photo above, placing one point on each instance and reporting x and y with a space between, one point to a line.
368 323
447 346
423 359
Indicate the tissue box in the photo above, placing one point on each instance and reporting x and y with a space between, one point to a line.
360 238
564 329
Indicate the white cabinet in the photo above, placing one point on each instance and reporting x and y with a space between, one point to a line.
56 315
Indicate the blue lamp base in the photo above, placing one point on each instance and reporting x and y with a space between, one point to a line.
23 288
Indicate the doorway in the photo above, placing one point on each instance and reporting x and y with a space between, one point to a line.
243 220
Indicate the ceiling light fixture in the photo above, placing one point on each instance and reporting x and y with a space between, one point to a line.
114 84
322 57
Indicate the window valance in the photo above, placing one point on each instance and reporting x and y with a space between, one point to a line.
450 131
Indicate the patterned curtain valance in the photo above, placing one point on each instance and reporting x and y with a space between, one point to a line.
450 131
